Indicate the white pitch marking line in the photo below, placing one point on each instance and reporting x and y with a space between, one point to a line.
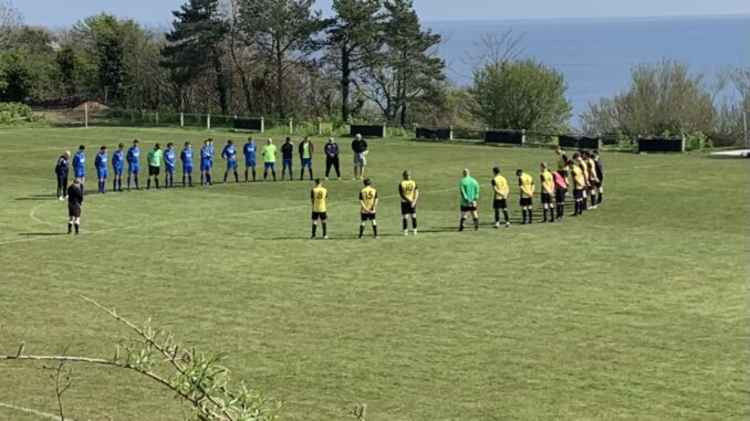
40 414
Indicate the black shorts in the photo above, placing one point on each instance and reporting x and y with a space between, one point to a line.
407 209
468 208
578 194
153 170
560 195
500 204
546 198
74 211
319 215
525 201
367 216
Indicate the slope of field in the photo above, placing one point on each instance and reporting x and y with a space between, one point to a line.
637 310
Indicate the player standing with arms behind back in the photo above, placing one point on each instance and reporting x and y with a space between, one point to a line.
249 150
548 192
526 183
500 203
409 193
187 164
359 148
368 203
469 192
79 166
170 163
319 197
134 163
100 163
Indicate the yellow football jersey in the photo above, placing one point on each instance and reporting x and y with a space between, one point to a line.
527 185
367 198
500 185
319 197
578 178
591 167
584 168
548 182
408 189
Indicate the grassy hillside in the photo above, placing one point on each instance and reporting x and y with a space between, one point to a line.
637 310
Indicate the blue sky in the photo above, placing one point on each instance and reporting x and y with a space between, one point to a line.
58 13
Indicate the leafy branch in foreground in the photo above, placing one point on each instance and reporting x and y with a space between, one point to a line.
196 378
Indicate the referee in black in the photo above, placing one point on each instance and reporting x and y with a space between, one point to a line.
75 199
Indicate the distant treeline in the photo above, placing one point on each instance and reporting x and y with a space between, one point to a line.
372 61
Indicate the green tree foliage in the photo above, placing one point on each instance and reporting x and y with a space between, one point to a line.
27 68
196 45
10 20
520 95
284 32
405 68
352 39
662 98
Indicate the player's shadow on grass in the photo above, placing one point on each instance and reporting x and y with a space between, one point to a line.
41 234
36 197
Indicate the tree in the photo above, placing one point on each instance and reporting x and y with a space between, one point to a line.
10 19
284 32
103 40
520 95
195 44
406 66
662 98
355 36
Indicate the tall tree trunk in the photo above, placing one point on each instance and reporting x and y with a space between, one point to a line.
280 100
221 84
346 76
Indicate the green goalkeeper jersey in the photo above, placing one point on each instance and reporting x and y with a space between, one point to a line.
469 189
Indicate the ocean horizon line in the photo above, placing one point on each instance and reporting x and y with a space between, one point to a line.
590 19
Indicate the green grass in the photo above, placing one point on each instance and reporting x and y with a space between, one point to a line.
638 310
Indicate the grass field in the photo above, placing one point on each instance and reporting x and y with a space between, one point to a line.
638 310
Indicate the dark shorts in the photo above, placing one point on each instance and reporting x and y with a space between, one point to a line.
269 165
231 165
468 208
117 170
525 201
206 165
577 193
187 170
560 195
319 215
367 216
169 170
250 164
153 170
101 173
134 169
306 162
546 198
500 204
74 211
287 162
407 209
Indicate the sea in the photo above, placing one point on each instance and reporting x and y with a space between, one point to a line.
596 56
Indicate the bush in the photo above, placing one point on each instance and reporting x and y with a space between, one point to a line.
520 95
13 112
662 98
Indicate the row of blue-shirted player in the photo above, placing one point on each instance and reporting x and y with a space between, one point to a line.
229 153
